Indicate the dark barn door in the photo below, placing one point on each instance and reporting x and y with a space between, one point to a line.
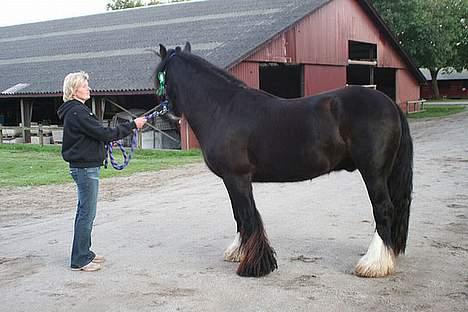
385 81
283 80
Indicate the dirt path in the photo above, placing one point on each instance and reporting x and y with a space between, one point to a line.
164 233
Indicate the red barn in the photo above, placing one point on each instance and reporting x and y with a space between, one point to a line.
337 43
452 84
290 48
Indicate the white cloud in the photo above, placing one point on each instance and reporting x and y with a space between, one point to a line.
27 11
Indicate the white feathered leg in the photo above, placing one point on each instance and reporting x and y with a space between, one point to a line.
233 252
379 260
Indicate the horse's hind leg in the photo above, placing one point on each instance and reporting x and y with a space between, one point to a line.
252 249
380 259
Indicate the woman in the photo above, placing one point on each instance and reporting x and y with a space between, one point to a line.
83 148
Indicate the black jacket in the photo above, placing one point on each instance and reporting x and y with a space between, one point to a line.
84 135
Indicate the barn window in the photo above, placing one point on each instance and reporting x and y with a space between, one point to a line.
283 80
362 69
362 51
362 58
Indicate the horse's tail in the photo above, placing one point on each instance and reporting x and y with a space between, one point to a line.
400 185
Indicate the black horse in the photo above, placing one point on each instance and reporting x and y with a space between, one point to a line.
248 135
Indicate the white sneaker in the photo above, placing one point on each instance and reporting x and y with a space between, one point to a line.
99 259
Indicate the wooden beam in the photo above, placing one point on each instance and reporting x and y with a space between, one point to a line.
98 106
26 106
93 105
359 62
102 107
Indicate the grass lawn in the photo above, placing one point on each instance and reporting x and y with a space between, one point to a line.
432 111
445 100
27 165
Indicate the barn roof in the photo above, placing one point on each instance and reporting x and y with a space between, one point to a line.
113 47
448 74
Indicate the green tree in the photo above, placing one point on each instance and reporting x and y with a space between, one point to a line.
153 2
123 4
434 33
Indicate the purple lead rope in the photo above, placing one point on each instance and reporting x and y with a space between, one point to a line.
127 157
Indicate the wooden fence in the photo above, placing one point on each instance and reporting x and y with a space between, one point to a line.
40 134
418 106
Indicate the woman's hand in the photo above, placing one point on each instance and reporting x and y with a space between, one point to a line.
140 122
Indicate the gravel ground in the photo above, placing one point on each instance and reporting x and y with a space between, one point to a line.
164 233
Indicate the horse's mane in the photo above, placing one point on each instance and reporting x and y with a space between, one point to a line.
205 65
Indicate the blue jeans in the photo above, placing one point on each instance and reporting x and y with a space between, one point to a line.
87 183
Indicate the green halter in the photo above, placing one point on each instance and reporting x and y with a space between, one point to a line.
162 84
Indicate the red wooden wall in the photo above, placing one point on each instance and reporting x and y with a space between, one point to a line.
319 78
406 90
248 72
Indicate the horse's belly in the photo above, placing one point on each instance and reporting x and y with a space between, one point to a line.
289 171
282 178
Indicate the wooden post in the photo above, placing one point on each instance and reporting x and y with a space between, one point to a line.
140 139
1 134
102 108
26 113
40 133
93 105
98 106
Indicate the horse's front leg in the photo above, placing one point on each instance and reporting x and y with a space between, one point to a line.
256 256
233 252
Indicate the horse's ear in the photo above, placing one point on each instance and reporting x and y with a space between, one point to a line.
162 51
188 47
178 49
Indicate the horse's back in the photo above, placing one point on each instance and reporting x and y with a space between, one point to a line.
361 102
364 109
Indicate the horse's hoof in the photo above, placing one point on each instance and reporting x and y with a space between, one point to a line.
256 272
364 269
379 261
233 252
258 268
233 255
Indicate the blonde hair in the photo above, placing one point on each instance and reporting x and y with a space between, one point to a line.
72 82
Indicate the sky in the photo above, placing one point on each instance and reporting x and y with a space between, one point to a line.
13 12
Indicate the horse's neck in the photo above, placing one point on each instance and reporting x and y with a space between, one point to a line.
201 99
